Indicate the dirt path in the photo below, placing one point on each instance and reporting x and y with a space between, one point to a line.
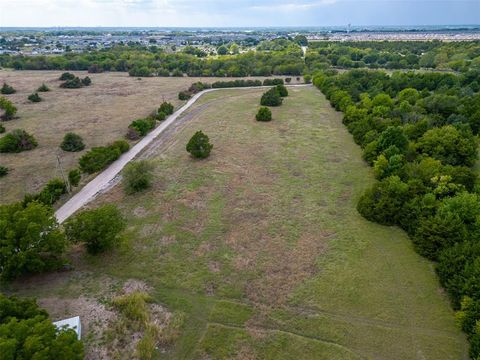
105 179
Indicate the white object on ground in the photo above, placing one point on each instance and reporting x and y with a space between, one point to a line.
71 323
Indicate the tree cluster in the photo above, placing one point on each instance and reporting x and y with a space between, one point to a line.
418 131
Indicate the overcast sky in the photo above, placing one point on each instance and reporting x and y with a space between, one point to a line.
143 13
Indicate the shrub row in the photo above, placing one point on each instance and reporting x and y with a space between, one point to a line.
100 157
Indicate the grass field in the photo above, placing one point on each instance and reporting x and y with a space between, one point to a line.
260 247
99 113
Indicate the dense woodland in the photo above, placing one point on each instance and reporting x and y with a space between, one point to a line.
419 132
276 57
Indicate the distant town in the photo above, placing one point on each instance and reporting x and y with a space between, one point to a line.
45 41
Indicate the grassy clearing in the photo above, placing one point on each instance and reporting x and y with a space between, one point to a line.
262 250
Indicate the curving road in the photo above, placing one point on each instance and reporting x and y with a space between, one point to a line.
107 176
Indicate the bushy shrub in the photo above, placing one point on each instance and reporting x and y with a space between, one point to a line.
30 240
166 108
121 145
74 83
307 79
7 89
72 142
74 177
52 192
160 116
34 98
99 229
199 145
288 80
17 141
183 95
272 82
140 71
271 98
282 90
264 114
236 83
142 126
43 88
100 157
3 171
86 81
137 176
66 76
2 129
9 109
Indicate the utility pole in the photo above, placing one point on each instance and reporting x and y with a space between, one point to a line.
62 173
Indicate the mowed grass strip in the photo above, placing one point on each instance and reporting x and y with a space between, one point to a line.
260 245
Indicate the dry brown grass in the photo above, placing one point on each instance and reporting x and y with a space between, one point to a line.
99 113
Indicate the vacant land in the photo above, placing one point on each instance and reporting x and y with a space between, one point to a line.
99 113
260 247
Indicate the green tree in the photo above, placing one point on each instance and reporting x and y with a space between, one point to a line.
74 177
222 50
166 108
27 333
72 142
449 145
30 240
9 109
17 141
137 176
199 145
271 98
264 114
99 229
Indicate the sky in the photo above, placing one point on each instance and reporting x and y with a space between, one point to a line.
236 13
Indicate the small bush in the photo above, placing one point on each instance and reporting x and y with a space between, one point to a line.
74 83
166 108
99 229
160 116
288 80
34 98
16 141
121 145
307 78
74 177
137 176
72 142
183 95
66 76
199 145
7 89
43 88
2 129
52 192
86 81
271 98
3 171
9 109
264 114
282 90
142 126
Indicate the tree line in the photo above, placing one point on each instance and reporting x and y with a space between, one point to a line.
419 131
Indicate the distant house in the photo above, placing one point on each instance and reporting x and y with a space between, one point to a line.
72 323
